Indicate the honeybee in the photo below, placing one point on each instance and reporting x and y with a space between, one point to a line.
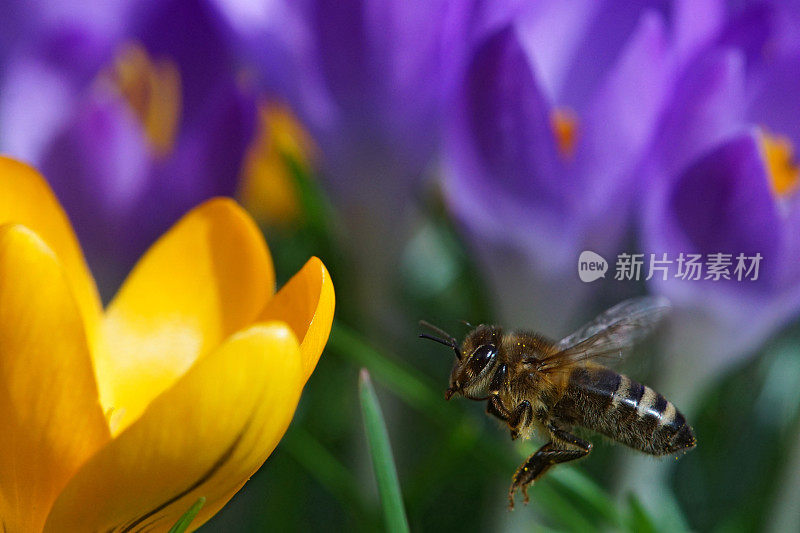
530 383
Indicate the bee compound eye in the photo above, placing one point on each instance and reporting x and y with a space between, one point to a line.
483 356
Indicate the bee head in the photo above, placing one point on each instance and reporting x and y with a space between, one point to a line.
475 360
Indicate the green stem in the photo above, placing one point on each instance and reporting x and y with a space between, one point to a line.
382 459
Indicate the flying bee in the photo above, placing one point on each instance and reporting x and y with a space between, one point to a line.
530 382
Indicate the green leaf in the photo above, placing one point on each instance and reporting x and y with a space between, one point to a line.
382 460
184 521
640 520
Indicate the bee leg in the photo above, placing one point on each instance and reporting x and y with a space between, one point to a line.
540 462
569 438
496 408
520 418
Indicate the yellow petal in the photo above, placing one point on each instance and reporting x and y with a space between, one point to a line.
306 303
206 278
203 437
50 418
26 198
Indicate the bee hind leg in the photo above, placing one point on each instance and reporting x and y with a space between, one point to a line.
565 436
540 462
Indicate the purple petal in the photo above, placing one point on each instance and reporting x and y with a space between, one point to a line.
383 65
94 17
751 31
772 97
362 73
342 49
278 40
721 204
35 102
75 37
14 21
99 167
207 162
697 22
791 212
189 33
43 81
622 117
508 120
784 19
552 33
602 44
271 36
506 179
707 107
407 38
468 23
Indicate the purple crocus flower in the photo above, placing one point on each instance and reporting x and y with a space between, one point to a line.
554 114
723 179
133 117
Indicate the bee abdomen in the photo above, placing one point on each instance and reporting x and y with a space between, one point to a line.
627 411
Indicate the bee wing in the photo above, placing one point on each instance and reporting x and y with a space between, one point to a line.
611 334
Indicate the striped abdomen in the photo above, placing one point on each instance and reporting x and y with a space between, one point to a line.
616 406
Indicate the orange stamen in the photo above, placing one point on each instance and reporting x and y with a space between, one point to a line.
153 92
565 129
781 164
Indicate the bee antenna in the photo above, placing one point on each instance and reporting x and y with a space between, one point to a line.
443 337
439 331
466 323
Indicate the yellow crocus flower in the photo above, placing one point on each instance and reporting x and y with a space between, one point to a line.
119 420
